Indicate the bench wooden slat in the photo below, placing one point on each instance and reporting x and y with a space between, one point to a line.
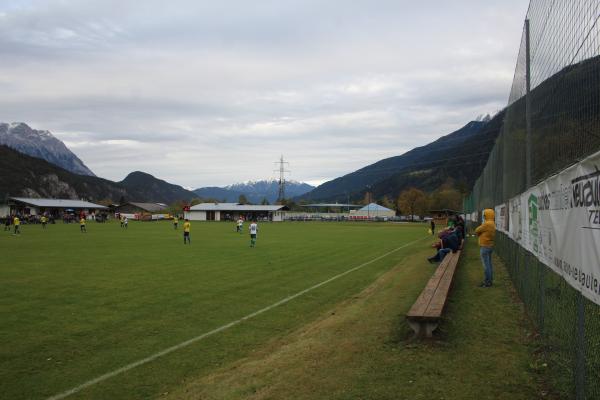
424 298
436 305
422 303
427 310
438 299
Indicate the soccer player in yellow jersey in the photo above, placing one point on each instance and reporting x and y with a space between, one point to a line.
82 225
175 222
17 224
44 220
186 232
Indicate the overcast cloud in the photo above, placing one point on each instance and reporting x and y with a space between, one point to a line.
206 93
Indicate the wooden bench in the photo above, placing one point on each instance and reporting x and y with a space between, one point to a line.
424 316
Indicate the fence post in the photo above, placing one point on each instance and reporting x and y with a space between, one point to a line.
542 292
580 344
528 104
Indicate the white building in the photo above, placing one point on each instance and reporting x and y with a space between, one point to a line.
233 211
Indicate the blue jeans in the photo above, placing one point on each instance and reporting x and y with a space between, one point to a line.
441 254
486 258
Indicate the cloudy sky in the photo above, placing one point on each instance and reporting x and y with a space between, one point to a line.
212 92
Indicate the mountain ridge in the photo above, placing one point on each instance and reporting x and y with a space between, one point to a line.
254 191
148 186
41 144
425 167
27 176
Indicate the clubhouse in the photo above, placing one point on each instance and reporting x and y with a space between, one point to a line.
51 207
233 211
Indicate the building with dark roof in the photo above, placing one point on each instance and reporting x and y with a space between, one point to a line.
233 211
142 208
441 217
51 207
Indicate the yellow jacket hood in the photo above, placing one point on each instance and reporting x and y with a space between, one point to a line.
488 214
487 230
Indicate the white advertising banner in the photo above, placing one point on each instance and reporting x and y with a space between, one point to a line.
515 211
501 215
559 222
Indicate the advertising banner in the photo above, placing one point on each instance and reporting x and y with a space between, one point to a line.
558 221
501 215
515 211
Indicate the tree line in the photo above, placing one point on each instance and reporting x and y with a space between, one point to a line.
414 201
411 201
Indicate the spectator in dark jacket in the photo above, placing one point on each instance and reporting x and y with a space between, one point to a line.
461 225
442 237
450 243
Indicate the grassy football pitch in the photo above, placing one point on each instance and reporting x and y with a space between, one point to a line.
77 306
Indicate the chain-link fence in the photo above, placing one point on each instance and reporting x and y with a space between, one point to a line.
551 122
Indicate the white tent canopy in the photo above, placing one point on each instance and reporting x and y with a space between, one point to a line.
374 210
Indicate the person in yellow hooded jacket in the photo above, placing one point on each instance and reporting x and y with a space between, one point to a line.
487 233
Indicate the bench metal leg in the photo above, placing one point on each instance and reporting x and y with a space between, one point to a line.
423 328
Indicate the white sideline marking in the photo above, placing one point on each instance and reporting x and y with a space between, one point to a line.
217 330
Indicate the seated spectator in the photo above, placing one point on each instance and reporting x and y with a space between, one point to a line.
460 233
442 236
444 232
461 225
449 244
451 222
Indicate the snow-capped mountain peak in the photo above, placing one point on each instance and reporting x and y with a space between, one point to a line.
41 144
255 191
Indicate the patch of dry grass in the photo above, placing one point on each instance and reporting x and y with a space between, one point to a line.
363 349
